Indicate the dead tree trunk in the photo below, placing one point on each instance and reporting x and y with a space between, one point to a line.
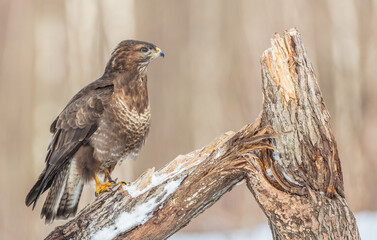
307 200
288 158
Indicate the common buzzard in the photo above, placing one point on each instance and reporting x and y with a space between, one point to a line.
104 123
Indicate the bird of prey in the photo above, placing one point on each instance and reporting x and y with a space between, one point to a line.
104 123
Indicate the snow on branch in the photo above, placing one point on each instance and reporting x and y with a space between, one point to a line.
288 158
159 203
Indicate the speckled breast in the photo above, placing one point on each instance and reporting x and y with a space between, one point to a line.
121 133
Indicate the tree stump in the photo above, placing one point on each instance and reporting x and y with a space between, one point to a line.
288 157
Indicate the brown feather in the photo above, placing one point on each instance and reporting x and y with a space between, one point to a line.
105 122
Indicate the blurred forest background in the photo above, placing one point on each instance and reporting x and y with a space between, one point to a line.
208 83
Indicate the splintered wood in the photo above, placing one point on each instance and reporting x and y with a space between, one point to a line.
286 68
288 158
307 200
159 203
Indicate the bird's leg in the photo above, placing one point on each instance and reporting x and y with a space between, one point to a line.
108 177
101 187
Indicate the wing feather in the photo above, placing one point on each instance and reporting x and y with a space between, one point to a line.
71 129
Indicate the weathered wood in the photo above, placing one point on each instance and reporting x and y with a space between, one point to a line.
288 158
309 201
160 203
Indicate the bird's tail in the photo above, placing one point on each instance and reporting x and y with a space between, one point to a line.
64 195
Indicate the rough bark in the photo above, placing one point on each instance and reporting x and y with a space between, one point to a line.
288 158
308 201
200 177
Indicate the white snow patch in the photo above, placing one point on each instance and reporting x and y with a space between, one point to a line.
291 180
276 157
127 220
261 232
366 222
157 178
269 173
139 215
172 186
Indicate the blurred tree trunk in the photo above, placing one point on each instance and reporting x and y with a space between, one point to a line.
347 92
73 42
16 119
295 175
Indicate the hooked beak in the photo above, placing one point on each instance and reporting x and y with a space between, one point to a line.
158 53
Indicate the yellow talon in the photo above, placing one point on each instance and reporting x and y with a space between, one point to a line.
124 183
107 174
101 187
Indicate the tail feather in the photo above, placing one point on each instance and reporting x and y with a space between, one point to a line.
64 195
36 191
33 195
70 199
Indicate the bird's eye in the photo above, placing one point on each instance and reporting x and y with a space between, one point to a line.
144 49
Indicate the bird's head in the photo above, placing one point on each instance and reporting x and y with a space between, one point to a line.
131 54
